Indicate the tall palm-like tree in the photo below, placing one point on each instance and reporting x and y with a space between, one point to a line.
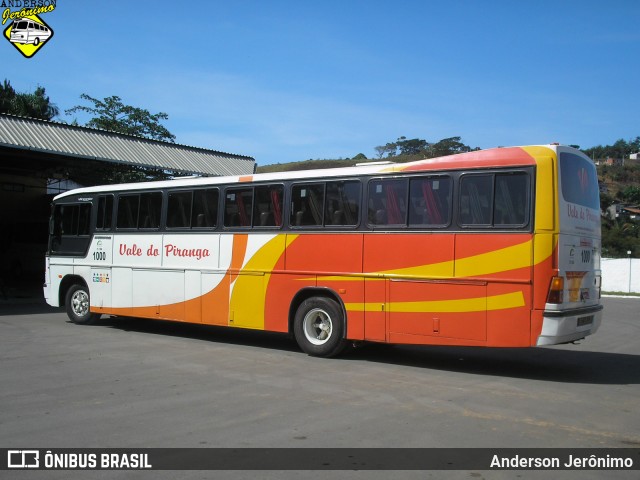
33 105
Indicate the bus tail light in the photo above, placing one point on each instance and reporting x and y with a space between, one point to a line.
556 290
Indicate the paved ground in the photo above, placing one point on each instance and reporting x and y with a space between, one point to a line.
136 383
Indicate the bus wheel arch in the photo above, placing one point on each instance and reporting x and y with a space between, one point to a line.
318 321
74 295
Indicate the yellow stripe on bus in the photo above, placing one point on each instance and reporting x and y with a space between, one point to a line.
463 305
502 260
505 259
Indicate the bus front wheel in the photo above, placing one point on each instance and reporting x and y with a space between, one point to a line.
77 306
319 327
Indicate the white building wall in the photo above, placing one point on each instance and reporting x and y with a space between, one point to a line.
617 272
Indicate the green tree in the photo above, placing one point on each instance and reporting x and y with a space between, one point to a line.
620 149
448 146
411 146
388 150
32 105
113 115
631 194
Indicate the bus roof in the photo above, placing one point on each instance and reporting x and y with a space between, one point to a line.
494 157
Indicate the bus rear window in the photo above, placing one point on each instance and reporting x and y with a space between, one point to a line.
579 181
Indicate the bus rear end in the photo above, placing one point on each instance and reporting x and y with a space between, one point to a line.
573 308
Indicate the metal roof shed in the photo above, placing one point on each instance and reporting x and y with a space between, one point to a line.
62 140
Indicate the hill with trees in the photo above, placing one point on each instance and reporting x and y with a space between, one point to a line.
401 151
619 179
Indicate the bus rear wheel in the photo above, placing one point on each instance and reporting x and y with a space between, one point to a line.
77 306
319 327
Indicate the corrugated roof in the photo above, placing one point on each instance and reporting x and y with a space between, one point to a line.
71 140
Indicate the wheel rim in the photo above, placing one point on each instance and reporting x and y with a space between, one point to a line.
317 326
80 303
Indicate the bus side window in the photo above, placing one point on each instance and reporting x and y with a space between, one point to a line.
387 202
150 209
342 203
238 206
128 206
205 208
105 212
430 201
510 205
179 209
267 206
84 220
307 203
476 192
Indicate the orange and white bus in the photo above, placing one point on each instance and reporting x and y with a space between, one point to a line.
496 248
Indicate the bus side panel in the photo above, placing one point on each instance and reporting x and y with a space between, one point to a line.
421 255
193 291
439 310
122 290
215 298
376 295
495 256
505 262
325 254
264 254
508 315
396 256
100 289
165 299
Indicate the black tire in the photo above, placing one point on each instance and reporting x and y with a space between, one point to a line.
77 306
36 42
319 327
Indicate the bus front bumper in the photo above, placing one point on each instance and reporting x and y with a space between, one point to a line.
566 326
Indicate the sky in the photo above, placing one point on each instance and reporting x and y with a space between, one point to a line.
284 81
